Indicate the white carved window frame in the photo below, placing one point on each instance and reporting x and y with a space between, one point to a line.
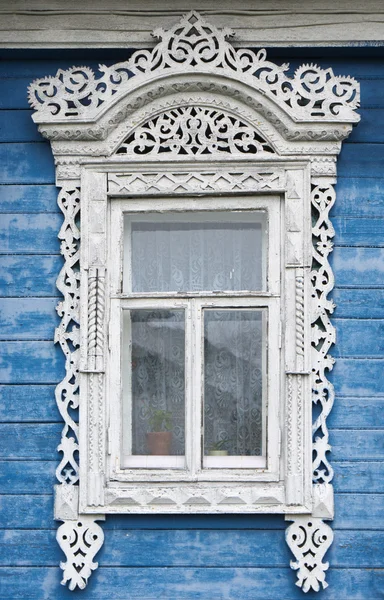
282 138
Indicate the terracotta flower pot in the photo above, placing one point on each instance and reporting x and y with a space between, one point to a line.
159 442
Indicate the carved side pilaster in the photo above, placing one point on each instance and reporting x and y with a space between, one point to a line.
80 538
67 333
309 537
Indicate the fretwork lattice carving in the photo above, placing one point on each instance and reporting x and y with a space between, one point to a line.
67 334
194 130
323 332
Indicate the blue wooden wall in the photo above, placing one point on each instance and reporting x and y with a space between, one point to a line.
192 557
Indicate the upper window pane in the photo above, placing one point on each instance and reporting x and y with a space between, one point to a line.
221 251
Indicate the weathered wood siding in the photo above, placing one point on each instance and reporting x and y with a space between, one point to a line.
119 23
192 557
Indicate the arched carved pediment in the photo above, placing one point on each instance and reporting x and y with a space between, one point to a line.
194 131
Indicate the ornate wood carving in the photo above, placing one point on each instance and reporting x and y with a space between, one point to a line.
195 97
194 130
309 538
80 540
120 184
194 45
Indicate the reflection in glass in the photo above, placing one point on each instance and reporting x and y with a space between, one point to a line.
155 381
208 253
233 382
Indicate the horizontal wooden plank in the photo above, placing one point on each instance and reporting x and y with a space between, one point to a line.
27 478
28 318
30 234
254 24
17 126
362 163
14 93
26 163
352 413
359 476
30 442
28 403
31 362
359 196
358 267
359 511
359 231
191 548
364 444
28 199
358 303
28 511
358 377
28 275
142 583
359 338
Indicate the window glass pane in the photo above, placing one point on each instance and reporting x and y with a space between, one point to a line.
200 252
234 377
154 382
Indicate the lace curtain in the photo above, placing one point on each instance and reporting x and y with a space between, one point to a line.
198 256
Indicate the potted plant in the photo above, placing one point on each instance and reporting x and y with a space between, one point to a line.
159 439
218 448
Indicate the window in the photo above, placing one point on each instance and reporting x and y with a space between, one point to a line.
223 339
198 305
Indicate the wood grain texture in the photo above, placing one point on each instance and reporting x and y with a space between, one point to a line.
358 303
278 23
28 199
30 362
191 548
28 403
30 234
28 318
167 583
26 163
26 276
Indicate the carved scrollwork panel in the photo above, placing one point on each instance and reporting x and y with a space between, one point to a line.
195 130
193 44
67 333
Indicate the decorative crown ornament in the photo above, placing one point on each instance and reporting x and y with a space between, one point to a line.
195 46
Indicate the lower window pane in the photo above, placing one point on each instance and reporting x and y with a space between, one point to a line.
154 384
234 364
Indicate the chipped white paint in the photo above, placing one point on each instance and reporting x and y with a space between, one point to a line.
227 121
